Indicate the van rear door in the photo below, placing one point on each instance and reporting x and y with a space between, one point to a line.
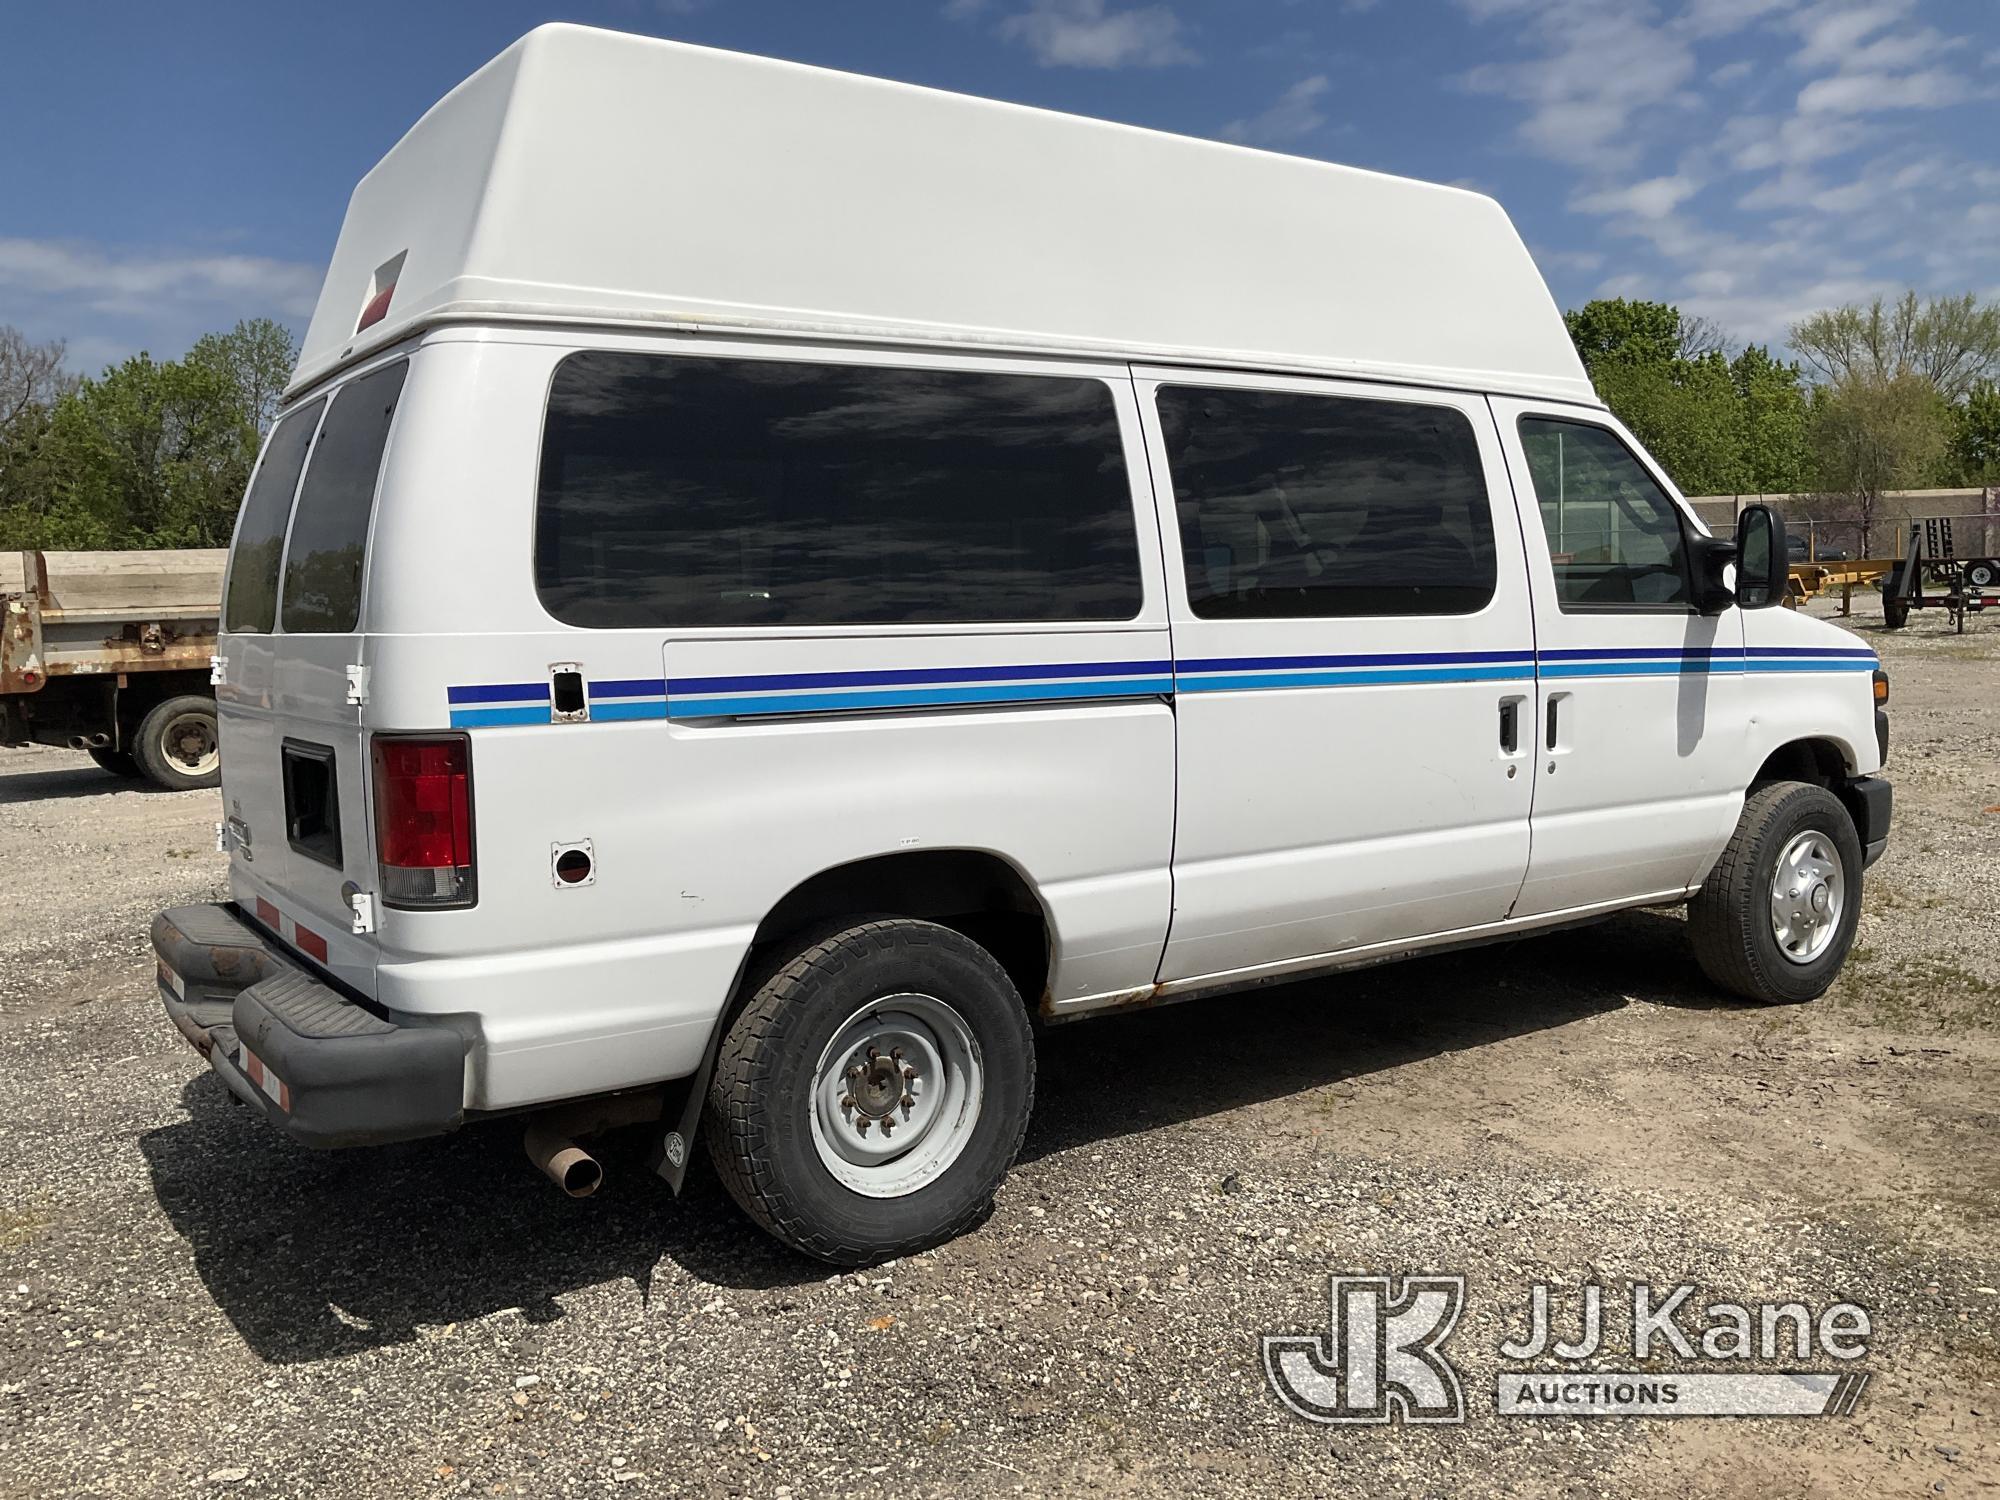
292 773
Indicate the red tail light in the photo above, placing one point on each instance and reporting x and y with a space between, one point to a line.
423 820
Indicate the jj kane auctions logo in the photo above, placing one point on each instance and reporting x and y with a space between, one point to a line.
1382 1357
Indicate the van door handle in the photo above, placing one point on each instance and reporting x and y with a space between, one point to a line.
1555 704
1510 726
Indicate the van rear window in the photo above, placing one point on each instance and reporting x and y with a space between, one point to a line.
697 491
323 564
252 604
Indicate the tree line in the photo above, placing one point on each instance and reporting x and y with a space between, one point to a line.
1893 395
1890 396
149 453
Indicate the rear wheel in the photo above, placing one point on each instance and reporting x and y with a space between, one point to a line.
1775 918
117 762
1982 573
177 745
871 1095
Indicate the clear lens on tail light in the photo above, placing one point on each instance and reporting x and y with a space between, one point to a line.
423 819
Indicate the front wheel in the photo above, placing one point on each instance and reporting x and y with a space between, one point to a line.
1776 916
870 1096
177 745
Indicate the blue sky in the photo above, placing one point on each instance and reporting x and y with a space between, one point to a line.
176 167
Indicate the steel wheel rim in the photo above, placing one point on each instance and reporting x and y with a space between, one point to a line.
189 744
1808 895
908 1061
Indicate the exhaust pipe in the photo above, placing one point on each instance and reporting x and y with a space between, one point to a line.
550 1139
562 1160
99 742
78 742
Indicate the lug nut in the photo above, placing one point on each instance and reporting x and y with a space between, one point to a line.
909 1103
909 1075
888 1125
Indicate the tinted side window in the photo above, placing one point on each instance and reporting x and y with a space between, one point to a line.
330 531
252 606
1300 505
1614 536
695 491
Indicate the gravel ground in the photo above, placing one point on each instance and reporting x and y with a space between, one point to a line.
189 1305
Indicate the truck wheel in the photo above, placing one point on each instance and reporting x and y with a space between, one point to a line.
117 762
869 1098
177 746
1775 918
1982 573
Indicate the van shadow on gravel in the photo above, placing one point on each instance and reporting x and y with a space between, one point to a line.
319 1255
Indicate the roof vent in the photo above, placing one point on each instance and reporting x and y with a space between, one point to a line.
381 288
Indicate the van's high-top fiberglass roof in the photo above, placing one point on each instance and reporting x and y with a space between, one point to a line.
589 176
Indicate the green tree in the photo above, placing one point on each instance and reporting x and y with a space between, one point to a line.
1973 452
1952 343
1871 434
1774 422
151 453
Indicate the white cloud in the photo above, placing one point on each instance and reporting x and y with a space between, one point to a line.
1730 72
1832 29
1088 34
1654 198
1296 114
1867 93
134 282
1595 69
1710 18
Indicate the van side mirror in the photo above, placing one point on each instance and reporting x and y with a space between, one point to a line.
1710 555
1763 564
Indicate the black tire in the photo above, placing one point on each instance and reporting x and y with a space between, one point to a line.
1730 921
1895 613
117 762
1982 573
165 741
760 1099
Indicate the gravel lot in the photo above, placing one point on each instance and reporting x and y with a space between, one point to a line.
189 1305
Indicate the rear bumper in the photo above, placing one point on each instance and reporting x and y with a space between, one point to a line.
1870 801
321 1067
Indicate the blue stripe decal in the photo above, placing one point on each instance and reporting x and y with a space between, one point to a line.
796 703
1379 659
891 677
644 708
749 695
500 692
634 687
1240 681
476 718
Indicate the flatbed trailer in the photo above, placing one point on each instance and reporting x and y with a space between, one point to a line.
109 652
1931 575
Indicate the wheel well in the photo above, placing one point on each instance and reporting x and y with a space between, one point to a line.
967 890
1817 762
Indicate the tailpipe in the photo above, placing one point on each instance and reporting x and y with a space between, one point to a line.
551 1137
78 742
563 1161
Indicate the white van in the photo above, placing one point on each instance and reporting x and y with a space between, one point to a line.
771 584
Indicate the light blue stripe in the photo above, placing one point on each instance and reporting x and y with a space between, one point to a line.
1242 681
474 718
795 703
1639 668
654 708
1794 665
